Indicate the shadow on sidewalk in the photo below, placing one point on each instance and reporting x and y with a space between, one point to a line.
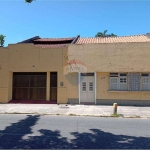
12 138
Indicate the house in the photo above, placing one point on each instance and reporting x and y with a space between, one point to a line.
33 70
77 70
114 69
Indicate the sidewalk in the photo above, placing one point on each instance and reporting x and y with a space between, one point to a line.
75 110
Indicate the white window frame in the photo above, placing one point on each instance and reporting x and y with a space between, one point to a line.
111 84
118 76
90 86
145 76
123 83
84 86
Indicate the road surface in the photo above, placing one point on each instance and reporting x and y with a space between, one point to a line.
72 132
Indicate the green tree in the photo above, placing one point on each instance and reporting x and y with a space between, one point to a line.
29 1
2 40
103 34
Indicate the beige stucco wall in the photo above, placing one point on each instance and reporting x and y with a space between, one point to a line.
106 58
27 58
119 57
104 93
4 64
100 58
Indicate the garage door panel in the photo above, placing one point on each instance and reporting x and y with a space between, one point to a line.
53 86
38 93
53 82
54 93
28 86
21 93
38 81
41 93
21 81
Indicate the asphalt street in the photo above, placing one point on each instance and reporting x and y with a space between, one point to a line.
73 132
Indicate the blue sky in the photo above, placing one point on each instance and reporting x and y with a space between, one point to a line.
69 18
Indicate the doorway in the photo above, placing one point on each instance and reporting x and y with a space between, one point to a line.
87 88
53 86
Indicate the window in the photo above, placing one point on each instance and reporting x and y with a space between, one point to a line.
132 81
145 80
118 81
90 86
123 81
83 86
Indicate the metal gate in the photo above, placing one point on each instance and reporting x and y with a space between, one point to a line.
29 86
53 86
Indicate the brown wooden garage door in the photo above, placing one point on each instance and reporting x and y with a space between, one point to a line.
28 86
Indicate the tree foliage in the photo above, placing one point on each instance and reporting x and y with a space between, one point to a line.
2 40
29 1
103 34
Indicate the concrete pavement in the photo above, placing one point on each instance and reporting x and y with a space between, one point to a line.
75 110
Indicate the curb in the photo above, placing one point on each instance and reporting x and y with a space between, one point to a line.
84 115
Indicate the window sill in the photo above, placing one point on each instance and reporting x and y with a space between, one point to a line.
117 91
125 91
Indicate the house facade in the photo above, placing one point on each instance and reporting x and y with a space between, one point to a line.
77 70
33 70
115 69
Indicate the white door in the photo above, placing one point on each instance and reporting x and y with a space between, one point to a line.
87 90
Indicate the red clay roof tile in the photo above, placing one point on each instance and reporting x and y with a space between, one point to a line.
50 45
119 39
54 39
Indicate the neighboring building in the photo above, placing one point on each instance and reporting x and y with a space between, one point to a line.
116 69
77 70
33 70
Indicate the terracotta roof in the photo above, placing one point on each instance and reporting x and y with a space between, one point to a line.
119 39
29 40
50 45
50 42
54 39
54 42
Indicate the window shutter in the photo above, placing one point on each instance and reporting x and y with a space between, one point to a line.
113 83
145 84
123 83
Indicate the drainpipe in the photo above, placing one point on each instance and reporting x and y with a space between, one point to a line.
95 86
79 75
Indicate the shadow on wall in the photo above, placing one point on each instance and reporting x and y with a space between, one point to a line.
72 78
12 138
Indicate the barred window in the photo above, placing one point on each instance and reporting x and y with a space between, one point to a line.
132 81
